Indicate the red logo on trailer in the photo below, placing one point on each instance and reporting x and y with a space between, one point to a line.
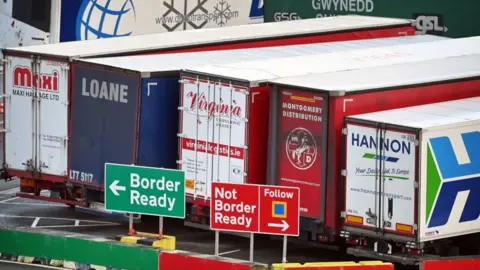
255 208
203 105
24 78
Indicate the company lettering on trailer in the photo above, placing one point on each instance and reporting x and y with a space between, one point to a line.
452 169
24 78
105 90
371 142
303 112
214 148
200 103
342 6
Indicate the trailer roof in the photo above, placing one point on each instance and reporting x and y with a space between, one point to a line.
428 116
389 76
220 35
175 62
310 66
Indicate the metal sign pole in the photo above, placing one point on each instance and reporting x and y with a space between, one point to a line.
130 224
160 225
284 256
251 246
217 240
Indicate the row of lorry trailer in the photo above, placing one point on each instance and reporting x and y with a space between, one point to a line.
378 127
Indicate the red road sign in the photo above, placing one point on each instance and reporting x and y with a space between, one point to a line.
279 210
255 208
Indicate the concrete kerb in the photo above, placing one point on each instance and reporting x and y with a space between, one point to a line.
74 250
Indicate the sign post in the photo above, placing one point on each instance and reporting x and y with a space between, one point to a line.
145 190
255 209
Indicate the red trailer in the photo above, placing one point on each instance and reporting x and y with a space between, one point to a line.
307 151
227 107
44 73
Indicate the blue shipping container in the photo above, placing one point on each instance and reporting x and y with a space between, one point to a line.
126 125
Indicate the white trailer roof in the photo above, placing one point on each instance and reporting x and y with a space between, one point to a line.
396 75
220 35
175 62
258 71
430 116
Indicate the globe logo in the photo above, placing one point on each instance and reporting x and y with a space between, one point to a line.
105 18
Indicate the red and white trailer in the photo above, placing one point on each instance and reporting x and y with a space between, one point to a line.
225 111
345 93
37 82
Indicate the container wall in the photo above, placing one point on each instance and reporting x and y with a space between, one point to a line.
380 179
36 103
214 129
103 122
300 147
339 107
157 143
450 182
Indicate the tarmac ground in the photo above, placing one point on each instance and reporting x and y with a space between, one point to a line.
21 212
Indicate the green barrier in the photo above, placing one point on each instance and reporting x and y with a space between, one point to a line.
78 248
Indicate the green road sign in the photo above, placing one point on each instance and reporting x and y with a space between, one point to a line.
145 190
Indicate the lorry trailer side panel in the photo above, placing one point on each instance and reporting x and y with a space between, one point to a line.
450 179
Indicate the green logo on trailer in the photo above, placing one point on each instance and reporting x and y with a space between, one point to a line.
145 190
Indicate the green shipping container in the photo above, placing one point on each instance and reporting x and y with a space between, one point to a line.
438 17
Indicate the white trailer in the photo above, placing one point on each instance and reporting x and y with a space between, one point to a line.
415 169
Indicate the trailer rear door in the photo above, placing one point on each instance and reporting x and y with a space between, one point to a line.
213 132
36 115
19 113
380 179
